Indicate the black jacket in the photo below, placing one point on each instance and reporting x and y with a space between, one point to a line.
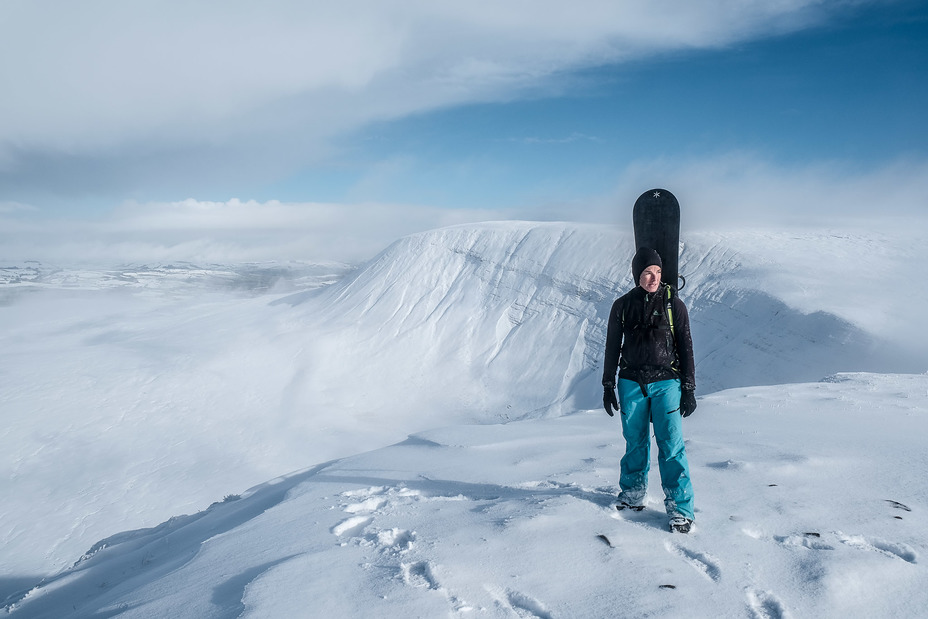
640 343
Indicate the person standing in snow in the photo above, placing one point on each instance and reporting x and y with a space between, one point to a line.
648 341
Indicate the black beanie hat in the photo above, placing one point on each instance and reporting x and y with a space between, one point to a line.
644 258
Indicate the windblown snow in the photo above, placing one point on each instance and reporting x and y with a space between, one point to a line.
440 405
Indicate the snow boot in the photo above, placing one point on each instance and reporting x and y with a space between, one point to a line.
680 524
624 505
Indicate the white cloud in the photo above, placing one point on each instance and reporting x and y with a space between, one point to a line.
743 189
94 78
223 232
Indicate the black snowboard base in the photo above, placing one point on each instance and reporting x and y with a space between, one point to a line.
656 217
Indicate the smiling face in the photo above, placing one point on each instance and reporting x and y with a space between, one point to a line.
650 279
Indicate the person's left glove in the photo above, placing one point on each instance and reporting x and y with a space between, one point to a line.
687 402
609 401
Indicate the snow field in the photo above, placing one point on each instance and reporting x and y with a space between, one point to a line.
504 520
125 406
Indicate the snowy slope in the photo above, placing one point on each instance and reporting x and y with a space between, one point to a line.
128 400
511 316
810 503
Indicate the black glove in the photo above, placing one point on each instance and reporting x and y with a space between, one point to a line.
609 401
687 402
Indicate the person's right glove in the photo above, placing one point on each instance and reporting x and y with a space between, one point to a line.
687 402
609 401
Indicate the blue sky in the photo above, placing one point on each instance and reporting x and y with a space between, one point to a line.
853 91
163 125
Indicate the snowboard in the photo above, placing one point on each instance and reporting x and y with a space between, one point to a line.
656 217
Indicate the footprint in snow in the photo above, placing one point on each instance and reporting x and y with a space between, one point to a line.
394 539
364 492
810 539
526 606
399 540
897 550
352 527
370 505
419 574
375 497
765 605
512 601
704 563
806 540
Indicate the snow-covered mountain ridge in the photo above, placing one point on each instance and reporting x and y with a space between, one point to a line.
499 307
160 404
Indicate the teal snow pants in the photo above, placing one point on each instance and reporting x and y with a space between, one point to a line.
660 406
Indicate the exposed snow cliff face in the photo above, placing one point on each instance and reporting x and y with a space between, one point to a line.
498 320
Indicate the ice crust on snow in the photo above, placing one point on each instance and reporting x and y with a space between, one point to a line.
130 404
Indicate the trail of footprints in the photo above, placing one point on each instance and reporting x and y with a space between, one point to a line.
395 546
704 563
764 604
814 541
362 507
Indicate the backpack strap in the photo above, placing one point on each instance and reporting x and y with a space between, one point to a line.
669 307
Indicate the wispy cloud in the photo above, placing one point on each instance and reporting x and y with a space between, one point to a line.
569 139
735 191
223 232
742 189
